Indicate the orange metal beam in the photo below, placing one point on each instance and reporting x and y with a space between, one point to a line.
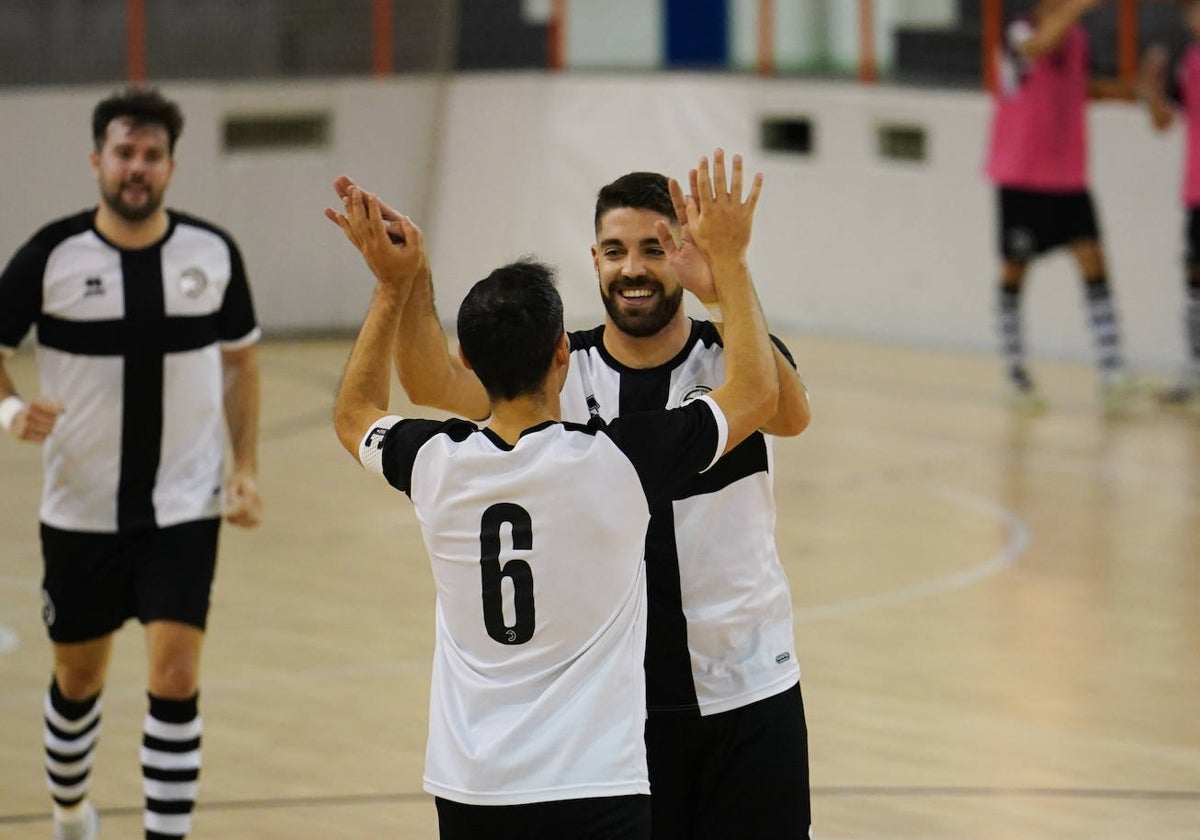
135 40
1127 42
867 67
556 35
766 38
383 60
989 41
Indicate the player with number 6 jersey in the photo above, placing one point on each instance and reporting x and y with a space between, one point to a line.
536 528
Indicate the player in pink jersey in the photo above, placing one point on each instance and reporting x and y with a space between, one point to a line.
1038 161
1165 93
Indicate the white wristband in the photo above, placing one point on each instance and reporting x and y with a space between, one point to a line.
10 407
714 313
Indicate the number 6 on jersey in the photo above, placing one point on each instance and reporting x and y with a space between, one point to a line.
493 573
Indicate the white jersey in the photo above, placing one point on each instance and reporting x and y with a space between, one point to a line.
720 611
538 687
129 342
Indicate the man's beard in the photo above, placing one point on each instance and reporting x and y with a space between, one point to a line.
640 323
129 212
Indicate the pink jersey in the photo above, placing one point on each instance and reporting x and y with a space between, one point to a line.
1039 131
1188 76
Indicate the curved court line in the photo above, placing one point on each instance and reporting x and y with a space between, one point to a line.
9 640
1019 537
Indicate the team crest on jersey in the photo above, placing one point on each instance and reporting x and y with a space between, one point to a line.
193 282
694 392
48 612
593 406
93 287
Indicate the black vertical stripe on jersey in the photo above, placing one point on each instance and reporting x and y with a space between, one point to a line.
142 403
669 684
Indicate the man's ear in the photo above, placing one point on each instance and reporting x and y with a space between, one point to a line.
462 357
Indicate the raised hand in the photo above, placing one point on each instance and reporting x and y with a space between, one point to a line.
718 220
391 218
396 255
683 257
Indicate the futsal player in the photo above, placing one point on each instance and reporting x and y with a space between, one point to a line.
536 528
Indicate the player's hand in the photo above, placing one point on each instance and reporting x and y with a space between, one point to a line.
243 504
395 261
35 422
683 257
718 219
391 218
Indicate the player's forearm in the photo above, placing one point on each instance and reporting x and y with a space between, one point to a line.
7 387
1111 89
428 372
792 415
242 408
751 382
365 390
1053 26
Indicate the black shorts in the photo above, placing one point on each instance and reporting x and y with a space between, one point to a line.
93 583
1193 236
737 774
1032 223
604 818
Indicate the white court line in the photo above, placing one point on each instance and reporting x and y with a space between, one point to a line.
1019 537
9 640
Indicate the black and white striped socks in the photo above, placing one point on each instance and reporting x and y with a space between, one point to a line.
1012 345
1102 317
170 766
71 731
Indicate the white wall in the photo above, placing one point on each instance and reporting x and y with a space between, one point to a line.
844 243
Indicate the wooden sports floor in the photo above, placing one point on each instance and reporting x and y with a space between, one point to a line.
997 617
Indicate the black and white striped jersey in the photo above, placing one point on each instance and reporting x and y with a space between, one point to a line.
538 687
720 611
129 342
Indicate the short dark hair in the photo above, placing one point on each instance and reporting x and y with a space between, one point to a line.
142 106
638 190
508 326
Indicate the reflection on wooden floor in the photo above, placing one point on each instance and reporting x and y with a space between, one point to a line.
998 619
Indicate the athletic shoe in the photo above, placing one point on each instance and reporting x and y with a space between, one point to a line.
1023 395
86 829
1184 391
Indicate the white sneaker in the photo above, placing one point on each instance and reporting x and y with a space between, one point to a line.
88 827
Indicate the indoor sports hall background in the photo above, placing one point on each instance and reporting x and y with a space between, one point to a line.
998 618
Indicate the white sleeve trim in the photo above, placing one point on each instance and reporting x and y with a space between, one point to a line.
722 430
249 338
370 448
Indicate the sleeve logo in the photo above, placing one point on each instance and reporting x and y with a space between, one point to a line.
375 437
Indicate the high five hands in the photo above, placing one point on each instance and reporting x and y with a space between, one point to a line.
392 246
714 220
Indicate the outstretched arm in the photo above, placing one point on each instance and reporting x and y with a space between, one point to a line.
429 373
1053 26
1152 88
719 223
395 260
793 415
